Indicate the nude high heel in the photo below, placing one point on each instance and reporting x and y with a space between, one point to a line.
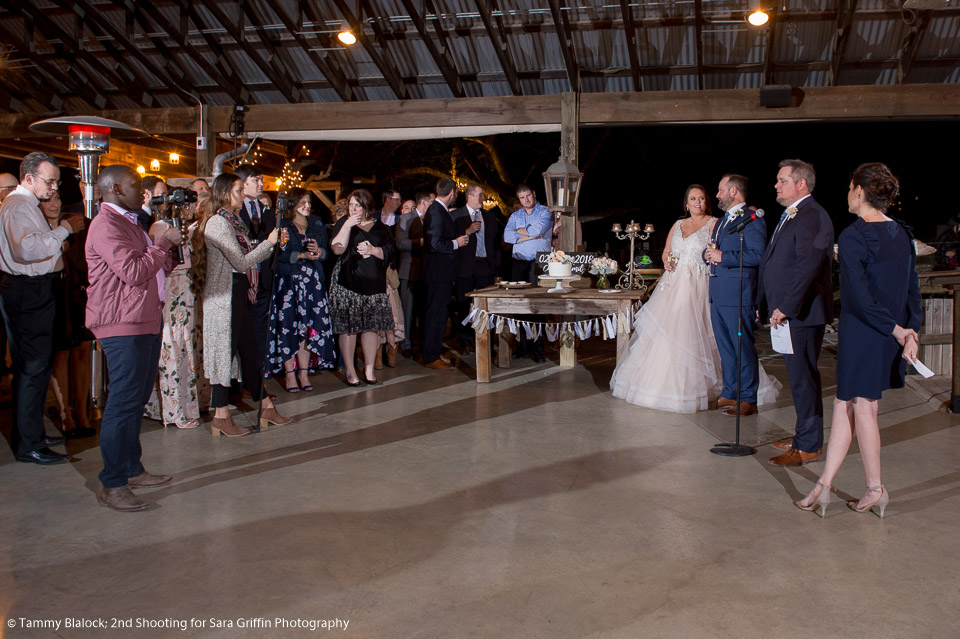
822 501
880 504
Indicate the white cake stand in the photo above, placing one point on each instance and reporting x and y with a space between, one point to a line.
560 282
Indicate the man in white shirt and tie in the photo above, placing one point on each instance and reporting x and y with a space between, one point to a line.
29 251
477 261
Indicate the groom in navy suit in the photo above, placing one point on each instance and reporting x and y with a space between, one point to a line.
796 289
726 308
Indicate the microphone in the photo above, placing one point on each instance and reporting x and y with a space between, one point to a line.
746 220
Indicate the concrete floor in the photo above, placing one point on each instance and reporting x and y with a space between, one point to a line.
534 506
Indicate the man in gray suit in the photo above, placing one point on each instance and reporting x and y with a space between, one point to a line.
409 238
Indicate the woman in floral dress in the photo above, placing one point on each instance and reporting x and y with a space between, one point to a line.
179 393
302 339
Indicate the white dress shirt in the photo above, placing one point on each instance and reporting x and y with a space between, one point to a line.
28 246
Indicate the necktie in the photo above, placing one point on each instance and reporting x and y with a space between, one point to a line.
481 245
783 218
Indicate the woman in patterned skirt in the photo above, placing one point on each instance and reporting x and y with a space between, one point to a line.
358 297
302 340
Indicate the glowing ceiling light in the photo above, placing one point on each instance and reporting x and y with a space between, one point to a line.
346 37
154 165
174 158
758 18
142 171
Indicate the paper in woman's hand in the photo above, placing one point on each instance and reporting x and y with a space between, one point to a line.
780 338
921 368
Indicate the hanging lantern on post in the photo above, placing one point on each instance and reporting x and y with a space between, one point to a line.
562 182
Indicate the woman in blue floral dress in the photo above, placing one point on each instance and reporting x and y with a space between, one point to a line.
302 338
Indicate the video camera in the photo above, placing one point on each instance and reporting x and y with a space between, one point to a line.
283 204
178 197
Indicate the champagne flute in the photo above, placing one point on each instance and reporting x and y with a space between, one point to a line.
674 260
712 244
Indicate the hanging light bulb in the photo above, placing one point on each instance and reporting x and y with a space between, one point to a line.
174 158
142 171
758 18
154 165
346 35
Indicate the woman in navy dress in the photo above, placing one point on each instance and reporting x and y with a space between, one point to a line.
302 332
880 315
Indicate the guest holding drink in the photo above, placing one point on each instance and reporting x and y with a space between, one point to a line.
302 339
358 287
880 314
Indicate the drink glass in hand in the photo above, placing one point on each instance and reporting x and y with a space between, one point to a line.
284 237
712 244
674 260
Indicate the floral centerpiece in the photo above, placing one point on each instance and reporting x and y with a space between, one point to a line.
602 267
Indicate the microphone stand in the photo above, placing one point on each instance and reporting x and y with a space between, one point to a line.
737 449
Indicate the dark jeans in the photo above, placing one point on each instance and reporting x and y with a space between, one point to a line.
28 309
132 363
411 299
526 271
242 344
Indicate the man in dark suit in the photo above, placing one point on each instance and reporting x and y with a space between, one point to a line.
409 237
439 270
795 289
478 261
261 220
726 307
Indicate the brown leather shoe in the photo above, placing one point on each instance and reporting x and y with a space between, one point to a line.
438 364
270 416
121 499
148 480
783 444
723 402
746 408
378 360
226 426
446 360
391 356
794 457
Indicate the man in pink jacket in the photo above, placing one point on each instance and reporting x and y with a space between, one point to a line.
124 300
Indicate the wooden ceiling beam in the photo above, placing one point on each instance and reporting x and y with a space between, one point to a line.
845 13
501 46
630 31
566 44
911 43
383 62
442 55
331 72
281 83
228 79
275 57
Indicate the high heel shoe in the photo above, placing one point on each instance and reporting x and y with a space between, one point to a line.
305 385
226 426
271 416
822 500
294 387
880 504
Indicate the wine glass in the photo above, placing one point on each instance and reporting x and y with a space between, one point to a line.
712 244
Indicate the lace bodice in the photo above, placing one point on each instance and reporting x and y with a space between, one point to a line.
690 249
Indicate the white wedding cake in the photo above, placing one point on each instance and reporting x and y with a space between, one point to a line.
558 269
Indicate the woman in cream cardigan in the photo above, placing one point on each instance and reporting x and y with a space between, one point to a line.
225 269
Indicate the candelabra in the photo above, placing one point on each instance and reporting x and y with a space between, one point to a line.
631 279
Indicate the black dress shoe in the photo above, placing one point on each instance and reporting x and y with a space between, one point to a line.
43 456
408 353
352 384
53 441
80 432
537 359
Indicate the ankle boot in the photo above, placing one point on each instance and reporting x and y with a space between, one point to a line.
271 416
391 356
121 499
226 426
378 361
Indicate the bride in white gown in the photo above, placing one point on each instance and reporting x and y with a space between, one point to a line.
673 363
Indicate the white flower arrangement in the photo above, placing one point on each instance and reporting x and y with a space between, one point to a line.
559 257
603 266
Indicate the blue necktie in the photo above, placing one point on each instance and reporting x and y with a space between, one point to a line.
783 218
481 246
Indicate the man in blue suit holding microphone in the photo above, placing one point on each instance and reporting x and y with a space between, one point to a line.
725 305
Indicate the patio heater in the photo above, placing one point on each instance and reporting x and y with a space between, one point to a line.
89 137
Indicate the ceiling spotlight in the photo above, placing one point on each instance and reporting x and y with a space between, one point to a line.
174 158
154 165
758 18
346 36
142 171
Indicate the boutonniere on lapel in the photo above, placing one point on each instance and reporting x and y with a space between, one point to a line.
736 214
791 212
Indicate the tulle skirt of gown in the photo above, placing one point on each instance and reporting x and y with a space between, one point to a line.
672 363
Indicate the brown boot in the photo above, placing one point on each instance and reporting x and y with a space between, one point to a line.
148 480
226 426
271 416
378 362
121 499
391 356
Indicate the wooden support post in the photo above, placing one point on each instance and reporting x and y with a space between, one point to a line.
569 147
568 350
483 344
205 157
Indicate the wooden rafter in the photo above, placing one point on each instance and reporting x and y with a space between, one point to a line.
441 56
698 28
566 44
630 31
331 72
771 41
275 55
911 44
383 62
49 68
283 85
844 22
499 41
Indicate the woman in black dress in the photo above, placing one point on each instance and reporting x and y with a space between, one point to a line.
880 315
358 299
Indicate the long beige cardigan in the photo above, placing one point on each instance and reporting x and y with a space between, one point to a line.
224 256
